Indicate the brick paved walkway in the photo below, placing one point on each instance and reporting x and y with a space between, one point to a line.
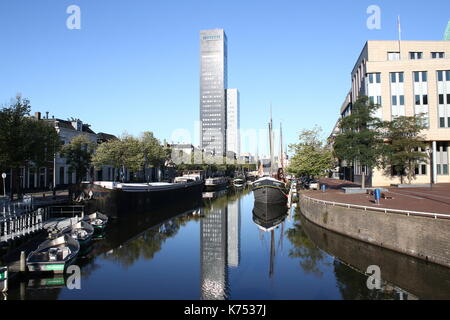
436 200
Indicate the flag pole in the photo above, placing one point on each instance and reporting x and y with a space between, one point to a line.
399 36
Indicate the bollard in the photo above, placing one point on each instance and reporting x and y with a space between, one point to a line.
23 265
377 195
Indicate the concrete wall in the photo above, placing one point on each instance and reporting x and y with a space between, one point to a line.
424 280
424 238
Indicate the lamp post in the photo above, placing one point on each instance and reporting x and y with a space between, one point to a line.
4 184
430 156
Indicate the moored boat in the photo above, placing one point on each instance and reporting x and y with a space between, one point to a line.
239 182
53 255
81 231
217 183
269 190
117 199
3 279
97 220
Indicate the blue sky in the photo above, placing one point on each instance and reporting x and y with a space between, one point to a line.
134 65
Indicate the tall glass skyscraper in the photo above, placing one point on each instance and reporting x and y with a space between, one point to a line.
213 85
233 122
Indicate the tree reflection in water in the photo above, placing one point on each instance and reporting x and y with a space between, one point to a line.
311 257
147 244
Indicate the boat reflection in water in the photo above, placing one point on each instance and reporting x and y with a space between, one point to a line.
268 218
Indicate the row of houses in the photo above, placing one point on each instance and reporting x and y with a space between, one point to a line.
58 174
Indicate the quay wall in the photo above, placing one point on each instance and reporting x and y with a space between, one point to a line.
424 280
420 237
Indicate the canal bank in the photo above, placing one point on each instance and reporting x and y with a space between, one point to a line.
426 237
417 277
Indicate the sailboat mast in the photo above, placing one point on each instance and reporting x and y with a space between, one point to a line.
271 141
281 146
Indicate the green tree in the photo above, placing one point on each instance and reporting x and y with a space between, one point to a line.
359 141
402 148
312 157
78 154
25 141
154 153
125 152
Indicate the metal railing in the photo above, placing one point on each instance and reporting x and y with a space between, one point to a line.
385 210
17 225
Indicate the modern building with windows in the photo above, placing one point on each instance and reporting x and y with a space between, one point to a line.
406 78
233 122
213 85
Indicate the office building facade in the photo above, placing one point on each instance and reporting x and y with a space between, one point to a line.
406 78
233 122
213 85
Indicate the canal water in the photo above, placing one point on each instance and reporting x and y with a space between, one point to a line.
220 250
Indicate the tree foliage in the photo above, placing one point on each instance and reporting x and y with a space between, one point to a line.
402 148
360 138
130 152
25 141
78 154
360 141
312 157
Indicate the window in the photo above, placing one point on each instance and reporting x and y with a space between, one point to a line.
416 77
393 56
394 100
415 55
417 99
397 76
402 100
440 76
379 100
393 77
437 55
374 77
425 99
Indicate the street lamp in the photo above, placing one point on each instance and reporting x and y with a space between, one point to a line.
4 184
430 156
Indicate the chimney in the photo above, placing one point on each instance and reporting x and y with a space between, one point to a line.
37 115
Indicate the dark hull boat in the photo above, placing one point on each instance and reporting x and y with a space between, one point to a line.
81 231
53 255
117 199
270 191
97 220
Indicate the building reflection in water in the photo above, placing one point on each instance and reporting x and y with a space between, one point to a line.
219 244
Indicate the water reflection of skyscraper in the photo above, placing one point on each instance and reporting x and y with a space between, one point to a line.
268 218
220 247
234 226
213 255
